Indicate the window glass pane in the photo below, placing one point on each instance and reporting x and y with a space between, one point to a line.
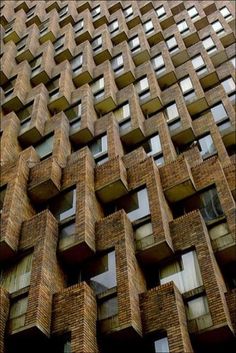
185 273
211 207
44 148
136 205
97 85
154 146
171 42
17 313
192 12
108 308
18 275
77 62
208 43
225 12
161 345
122 112
134 42
117 62
113 26
172 112
128 11
74 112
186 85
207 146
101 273
78 26
158 62
197 307
219 112
160 11
142 85
99 146
217 26
97 42
229 85
182 26
96 11
64 205
198 62
148 26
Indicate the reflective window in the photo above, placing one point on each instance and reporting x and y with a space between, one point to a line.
43 27
99 150
209 45
31 11
107 308
197 307
160 11
134 43
96 11
233 61
199 65
172 112
182 27
114 26
226 13
17 313
98 87
63 206
59 43
229 85
63 11
172 44
207 147
101 273
161 345
148 27
193 13
18 275
117 63
128 11
142 87
97 43
219 112
44 148
184 272
153 146
22 43
217 27
78 26
76 63
158 64
186 85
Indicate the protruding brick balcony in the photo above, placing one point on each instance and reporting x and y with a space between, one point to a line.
69 16
15 31
68 306
103 53
52 5
177 180
142 54
6 63
103 17
50 30
121 34
114 6
145 6
85 73
111 180
83 5
67 50
86 32
127 75
134 19
28 52
157 306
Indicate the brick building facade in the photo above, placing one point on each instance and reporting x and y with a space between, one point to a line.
117 177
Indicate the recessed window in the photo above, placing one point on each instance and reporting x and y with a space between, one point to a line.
184 272
199 65
219 113
122 115
36 64
101 272
226 13
53 87
24 115
172 44
117 63
63 12
183 27
114 26
8 87
78 26
9 27
207 147
99 150
159 64
128 12
18 275
107 307
153 146
22 43
148 27
172 112
43 26
228 85
59 43
233 61
74 116
98 88
217 27
31 11
63 206
209 45
160 11
96 11
44 148
17 313
197 307
142 87
136 205
77 63
62 343
97 43
161 345
134 44
193 13
187 88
